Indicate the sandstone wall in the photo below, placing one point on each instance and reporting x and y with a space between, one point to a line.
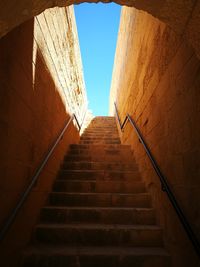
41 85
156 80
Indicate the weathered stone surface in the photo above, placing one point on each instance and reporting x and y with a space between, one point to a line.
99 186
111 215
156 80
92 211
176 14
41 85
106 235
87 256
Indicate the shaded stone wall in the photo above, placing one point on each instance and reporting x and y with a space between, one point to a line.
41 85
156 79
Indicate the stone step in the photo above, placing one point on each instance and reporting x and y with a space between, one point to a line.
109 125
109 138
98 153
101 157
103 121
77 157
88 165
116 148
99 141
99 186
52 214
103 139
100 175
90 137
99 235
96 137
63 256
99 135
99 213
100 147
106 118
109 129
141 200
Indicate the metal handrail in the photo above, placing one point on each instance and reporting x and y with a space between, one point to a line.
164 184
11 217
78 124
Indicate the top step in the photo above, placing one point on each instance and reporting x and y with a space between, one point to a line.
103 119
103 122
102 126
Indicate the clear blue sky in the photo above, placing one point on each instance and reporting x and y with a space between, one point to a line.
97 26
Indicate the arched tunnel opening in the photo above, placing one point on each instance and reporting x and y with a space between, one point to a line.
155 79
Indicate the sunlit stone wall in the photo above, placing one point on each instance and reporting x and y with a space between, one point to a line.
156 80
55 35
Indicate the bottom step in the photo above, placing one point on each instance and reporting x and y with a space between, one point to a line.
44 256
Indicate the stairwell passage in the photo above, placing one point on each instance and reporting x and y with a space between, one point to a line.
99 212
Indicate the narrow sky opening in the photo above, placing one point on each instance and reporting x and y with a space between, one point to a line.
97 26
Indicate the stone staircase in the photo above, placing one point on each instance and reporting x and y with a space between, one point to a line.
98 213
